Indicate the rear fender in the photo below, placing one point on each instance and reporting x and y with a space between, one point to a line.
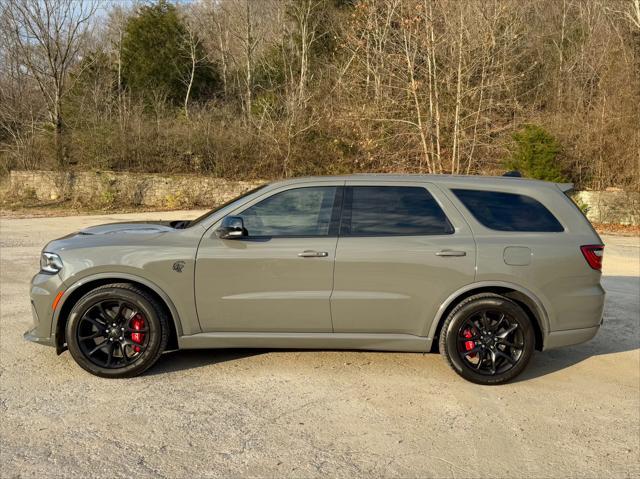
538 307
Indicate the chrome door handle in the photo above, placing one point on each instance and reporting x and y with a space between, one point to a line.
448 252
313 254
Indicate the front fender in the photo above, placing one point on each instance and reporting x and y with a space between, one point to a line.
182 321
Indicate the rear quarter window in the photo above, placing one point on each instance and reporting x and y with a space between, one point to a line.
508 211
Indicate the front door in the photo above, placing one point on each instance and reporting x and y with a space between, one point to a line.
279 278
403 249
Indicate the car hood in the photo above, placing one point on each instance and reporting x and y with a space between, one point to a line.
113 234
137 227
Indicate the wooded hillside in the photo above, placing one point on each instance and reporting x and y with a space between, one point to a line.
276 88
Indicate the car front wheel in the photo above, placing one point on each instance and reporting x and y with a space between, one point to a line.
117 330
487 339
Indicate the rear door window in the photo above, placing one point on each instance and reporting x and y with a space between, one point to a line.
392 211
508 211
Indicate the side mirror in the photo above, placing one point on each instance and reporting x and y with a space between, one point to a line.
232 227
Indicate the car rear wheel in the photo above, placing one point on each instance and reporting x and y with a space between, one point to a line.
117 330
487 339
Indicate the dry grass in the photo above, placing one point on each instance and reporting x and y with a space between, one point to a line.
615 229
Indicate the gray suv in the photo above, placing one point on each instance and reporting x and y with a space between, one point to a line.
485 269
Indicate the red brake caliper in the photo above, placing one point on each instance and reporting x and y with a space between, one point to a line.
469 345
137 323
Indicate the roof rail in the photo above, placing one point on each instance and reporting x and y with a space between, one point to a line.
513 174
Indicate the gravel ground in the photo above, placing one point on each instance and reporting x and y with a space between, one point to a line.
573 413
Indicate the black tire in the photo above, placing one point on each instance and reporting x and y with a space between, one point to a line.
472 344
119 357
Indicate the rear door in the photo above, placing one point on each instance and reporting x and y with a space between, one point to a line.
403 249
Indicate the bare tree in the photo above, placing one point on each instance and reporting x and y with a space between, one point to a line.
192 45
317 86
213 27
432 75
410 50
49 35
21 107
305 14
115 32
251 28
455 155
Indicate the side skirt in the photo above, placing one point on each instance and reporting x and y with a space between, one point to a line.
369 342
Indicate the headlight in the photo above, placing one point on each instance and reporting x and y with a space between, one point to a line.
50 263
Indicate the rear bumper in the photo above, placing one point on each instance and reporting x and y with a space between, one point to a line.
579 318
558 339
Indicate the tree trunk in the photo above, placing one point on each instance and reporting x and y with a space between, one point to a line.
121 123
192 51
561 53
433 67
223 56
305 42
455 162
416 103
248 53
477 120
59 131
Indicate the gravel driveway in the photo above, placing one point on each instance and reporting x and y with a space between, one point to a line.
574 412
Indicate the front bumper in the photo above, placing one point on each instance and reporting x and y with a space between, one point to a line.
44 288
32 335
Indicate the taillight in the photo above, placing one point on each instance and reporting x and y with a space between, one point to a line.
593 254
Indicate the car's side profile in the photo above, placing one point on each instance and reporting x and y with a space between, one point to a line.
485 269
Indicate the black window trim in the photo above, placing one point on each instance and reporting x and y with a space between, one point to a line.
342 209
347 210
334 222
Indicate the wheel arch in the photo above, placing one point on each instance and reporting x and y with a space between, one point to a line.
523 297
84 285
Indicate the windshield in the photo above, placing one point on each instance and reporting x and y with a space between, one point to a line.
191 223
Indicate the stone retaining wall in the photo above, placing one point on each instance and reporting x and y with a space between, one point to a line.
107 188
619 207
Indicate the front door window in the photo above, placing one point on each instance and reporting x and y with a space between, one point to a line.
297 212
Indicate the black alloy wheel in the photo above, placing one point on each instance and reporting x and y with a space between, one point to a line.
490 342
117 330
113 333
487 339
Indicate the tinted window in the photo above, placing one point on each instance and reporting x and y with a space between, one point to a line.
392 210
297 212
508 211
199 219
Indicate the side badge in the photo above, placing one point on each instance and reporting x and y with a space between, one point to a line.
178 266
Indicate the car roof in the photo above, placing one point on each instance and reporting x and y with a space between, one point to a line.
458 180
